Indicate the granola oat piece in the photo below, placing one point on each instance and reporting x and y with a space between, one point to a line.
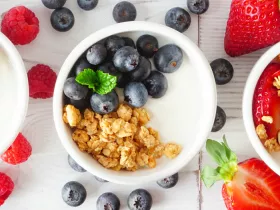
276 82
157 152
267 119
96 147
142 159
128 156
272 145
98 116
80 136
152 162
89 126
89 115
107 137
146 138
172 150
111 115
142 115
107 162
106 125
71 115
261 132
125 112
134 120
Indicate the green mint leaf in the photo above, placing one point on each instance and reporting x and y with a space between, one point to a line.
106 83
216 151
209 176
88 77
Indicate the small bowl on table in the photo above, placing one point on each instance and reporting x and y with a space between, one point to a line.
184 115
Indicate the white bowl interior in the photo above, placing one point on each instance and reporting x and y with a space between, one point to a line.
271 159
13 91
184 115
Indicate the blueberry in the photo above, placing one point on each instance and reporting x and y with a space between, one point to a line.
114 43
96 54
54 4
62 19
222 70
126 59
75 165
124 11
108 201
220 120
74 90
168 58
104 104
135 94
156 84
100 180
147 45
129 42
87 4
169 182
140 199
142 71
178 19
73 193
198 6
80 104
122 78
80 65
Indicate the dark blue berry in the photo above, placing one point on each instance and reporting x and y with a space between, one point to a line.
169 182
74 194
220 119
108 201
124 11
104 104
178 19
147 45
96 54
142 71
74 90
54 4
126 59
168 58
156 84
100 180
113 44
222 70
80 104
129 42
87 4
62 19
74 165
135 94
140 199
80 65
198 6
122 78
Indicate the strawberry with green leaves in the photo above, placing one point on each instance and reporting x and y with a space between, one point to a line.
248 185
252 25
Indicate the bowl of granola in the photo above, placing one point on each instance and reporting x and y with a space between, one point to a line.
134 102
261 112
13 91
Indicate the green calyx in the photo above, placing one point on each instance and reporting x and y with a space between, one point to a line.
226 160
100 82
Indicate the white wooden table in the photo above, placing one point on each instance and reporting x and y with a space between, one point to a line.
38 182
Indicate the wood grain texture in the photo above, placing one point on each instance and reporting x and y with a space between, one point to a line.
39 181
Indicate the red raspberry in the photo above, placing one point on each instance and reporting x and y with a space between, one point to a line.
18 152
41 80
6 187
20 25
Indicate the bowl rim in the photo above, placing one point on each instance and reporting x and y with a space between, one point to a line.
122 28
247 104
22 82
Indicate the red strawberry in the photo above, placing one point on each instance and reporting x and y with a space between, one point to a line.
6 187
249 185
266 101
252 25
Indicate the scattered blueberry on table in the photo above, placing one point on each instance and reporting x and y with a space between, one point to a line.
220 119
124 11
54 4
169 182
198 6
62 19
87 4
74 194
74 165
108 201
178 19
140 199
223 71
100 179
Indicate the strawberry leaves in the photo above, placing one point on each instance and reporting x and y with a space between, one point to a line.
226 160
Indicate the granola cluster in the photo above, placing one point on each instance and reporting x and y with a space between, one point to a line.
119 140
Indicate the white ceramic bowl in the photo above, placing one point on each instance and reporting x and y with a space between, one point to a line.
272 160
184 115
13 91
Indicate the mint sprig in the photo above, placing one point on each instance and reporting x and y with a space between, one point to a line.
100 82
226 160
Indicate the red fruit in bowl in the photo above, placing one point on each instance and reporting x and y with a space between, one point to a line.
252 25
248 185
266 101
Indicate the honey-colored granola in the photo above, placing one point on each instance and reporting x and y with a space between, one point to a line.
119 140
272 145
261 132
267 119
276 82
